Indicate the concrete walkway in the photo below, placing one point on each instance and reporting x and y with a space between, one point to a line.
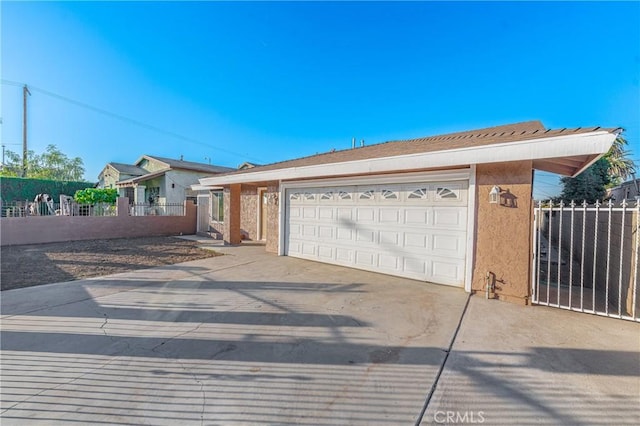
252 338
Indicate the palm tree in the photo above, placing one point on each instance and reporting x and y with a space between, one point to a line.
620 165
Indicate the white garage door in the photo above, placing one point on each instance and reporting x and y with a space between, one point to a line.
414 230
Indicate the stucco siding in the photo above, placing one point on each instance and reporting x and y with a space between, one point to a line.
273 236
503 234
249 212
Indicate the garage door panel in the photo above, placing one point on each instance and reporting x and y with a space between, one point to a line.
449 217
365 214
411 230
325 252
389 238
309 230
415 240
309 213
389 262
295 230
309 249
446 271
325 213
447 244
365 235
365 258
325 232
345 213
414 265
419 216
294 247
344 234
344 255
389 216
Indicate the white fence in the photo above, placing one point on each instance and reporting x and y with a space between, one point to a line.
157 209
69 208
586 258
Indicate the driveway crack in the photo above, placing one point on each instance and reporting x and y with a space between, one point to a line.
157 350
447 352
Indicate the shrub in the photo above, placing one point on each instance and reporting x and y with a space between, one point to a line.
96 195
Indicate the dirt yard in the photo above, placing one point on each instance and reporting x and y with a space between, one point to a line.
29 265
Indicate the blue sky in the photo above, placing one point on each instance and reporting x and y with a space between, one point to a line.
265 81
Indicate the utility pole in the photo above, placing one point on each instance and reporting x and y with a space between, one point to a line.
25 92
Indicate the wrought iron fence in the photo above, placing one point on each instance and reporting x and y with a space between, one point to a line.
157 209
31 208
586 258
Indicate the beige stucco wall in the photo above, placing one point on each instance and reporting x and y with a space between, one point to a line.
47 229
231 231
503 234
273 192
249 212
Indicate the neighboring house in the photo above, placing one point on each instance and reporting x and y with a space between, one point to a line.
450 209
628 190
247 165
156 180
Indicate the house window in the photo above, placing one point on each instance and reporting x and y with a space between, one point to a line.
388 194
217 206
446 193
344 195
420 194
367 195
309 196
327 196
295 196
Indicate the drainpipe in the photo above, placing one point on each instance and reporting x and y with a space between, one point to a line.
488 285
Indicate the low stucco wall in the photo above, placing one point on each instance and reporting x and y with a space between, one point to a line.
503 234
49 229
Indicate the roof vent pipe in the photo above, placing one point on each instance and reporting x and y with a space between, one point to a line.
362 143
353 143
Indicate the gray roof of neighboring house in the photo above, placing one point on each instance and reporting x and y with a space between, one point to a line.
128 169
190 165
144 177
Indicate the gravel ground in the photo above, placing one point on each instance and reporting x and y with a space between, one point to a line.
30 265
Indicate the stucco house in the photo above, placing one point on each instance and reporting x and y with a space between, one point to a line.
448 209
156 180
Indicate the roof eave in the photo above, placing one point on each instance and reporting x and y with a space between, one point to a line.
583 144
143 178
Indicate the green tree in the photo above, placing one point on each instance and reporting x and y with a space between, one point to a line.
52 164
591 185
621 166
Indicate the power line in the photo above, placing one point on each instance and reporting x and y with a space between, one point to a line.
125 119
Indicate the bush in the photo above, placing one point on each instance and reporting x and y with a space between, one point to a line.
25 189
96 195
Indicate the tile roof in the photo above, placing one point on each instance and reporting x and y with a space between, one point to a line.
128 169
528 130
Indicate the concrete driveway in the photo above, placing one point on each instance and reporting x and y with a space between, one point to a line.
251 338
